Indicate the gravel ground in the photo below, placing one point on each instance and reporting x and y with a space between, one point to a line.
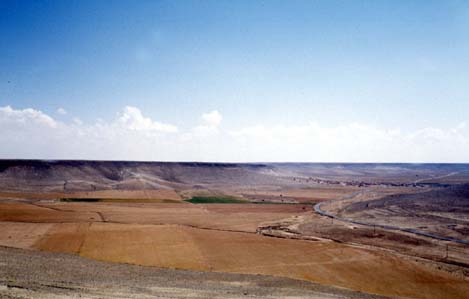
34 274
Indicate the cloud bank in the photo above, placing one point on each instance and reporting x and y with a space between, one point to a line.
30 133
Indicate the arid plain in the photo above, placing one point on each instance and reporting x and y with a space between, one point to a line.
261 230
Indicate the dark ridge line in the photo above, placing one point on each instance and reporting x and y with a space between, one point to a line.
47 163
197 163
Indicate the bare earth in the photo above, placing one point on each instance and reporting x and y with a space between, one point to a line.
147 242
34 274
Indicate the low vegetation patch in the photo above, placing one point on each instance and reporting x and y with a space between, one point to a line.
140 200
215 199
80 199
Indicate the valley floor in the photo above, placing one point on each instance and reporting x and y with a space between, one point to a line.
220 238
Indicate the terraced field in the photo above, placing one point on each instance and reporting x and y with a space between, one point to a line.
215 238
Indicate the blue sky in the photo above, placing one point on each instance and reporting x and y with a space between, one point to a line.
386 65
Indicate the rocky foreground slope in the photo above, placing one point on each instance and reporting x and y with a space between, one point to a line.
33 274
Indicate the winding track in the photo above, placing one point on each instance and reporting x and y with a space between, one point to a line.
318 210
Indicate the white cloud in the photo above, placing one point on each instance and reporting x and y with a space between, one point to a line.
61 111
210 123
30 133
77 121
202 131
353 142
133 119
212 118
27 117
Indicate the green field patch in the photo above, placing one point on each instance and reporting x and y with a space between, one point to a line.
279 203
215 199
